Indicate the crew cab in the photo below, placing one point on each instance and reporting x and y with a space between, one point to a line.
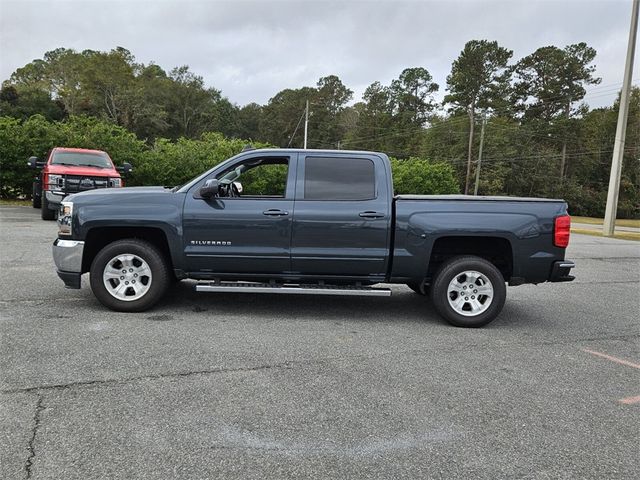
286 221
71 170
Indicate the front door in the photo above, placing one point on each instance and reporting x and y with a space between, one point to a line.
247 228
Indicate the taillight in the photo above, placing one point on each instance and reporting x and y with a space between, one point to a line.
562 231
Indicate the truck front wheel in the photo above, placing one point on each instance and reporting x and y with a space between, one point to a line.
468 291
129 275
45 212
36 195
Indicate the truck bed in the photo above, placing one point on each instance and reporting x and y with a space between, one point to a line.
425 222
472 198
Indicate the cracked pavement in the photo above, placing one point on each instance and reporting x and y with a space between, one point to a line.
258 386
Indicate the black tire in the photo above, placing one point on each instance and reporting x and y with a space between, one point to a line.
160 275
36 196
45 212
419 287
454 268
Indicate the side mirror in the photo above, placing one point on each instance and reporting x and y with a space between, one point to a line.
33 162
209 188
126 168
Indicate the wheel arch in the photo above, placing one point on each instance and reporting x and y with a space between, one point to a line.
99 237
496 249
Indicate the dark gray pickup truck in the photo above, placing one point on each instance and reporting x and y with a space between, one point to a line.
309 222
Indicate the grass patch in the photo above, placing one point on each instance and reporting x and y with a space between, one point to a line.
15 203
598 233
600 221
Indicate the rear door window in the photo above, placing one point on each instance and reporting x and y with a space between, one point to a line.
339 179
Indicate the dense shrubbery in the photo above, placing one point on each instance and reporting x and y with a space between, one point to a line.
420 176
165 162
36 136
171 163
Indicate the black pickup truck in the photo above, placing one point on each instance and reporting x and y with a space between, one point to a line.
309 222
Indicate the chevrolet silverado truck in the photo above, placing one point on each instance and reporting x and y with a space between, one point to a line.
286 221
71 170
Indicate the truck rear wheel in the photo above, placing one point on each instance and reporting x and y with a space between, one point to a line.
468 291
129 275
45 212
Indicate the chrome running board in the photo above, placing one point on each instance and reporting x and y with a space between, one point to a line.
291 289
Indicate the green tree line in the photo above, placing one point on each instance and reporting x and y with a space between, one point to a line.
541 137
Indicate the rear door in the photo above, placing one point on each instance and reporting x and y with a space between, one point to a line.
342 216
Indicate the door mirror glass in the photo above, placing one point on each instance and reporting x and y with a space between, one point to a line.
33 162
210 188
125 168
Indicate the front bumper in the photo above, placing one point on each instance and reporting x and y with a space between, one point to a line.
54 199
67 255
560 271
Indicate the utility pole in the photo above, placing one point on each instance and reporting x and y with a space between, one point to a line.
306 123
618 149
564 142
472 121
475 187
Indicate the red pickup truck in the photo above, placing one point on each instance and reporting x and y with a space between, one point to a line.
72 170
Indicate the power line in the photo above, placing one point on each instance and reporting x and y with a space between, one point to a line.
296 129
446 122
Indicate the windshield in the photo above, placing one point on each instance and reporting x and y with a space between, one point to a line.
82 159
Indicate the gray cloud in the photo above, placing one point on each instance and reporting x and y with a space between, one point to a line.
252 49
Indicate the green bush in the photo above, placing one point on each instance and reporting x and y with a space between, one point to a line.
165 162
89 132
36 136
265 180
19 141
174 163
420 176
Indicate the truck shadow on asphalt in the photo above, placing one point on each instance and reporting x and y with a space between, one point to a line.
183 303
403 306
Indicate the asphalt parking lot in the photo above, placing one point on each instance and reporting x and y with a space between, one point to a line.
257 386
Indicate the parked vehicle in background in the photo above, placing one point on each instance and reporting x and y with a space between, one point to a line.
323 222
72 170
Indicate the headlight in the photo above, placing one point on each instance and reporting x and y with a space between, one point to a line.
115 182
55 182
65 217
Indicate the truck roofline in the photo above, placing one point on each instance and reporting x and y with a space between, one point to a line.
315 150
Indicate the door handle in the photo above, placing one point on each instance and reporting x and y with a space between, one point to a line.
274 212
370 214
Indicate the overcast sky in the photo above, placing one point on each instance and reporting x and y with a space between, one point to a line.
252 49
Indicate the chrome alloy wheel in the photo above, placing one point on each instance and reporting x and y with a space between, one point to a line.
470 293
127 277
